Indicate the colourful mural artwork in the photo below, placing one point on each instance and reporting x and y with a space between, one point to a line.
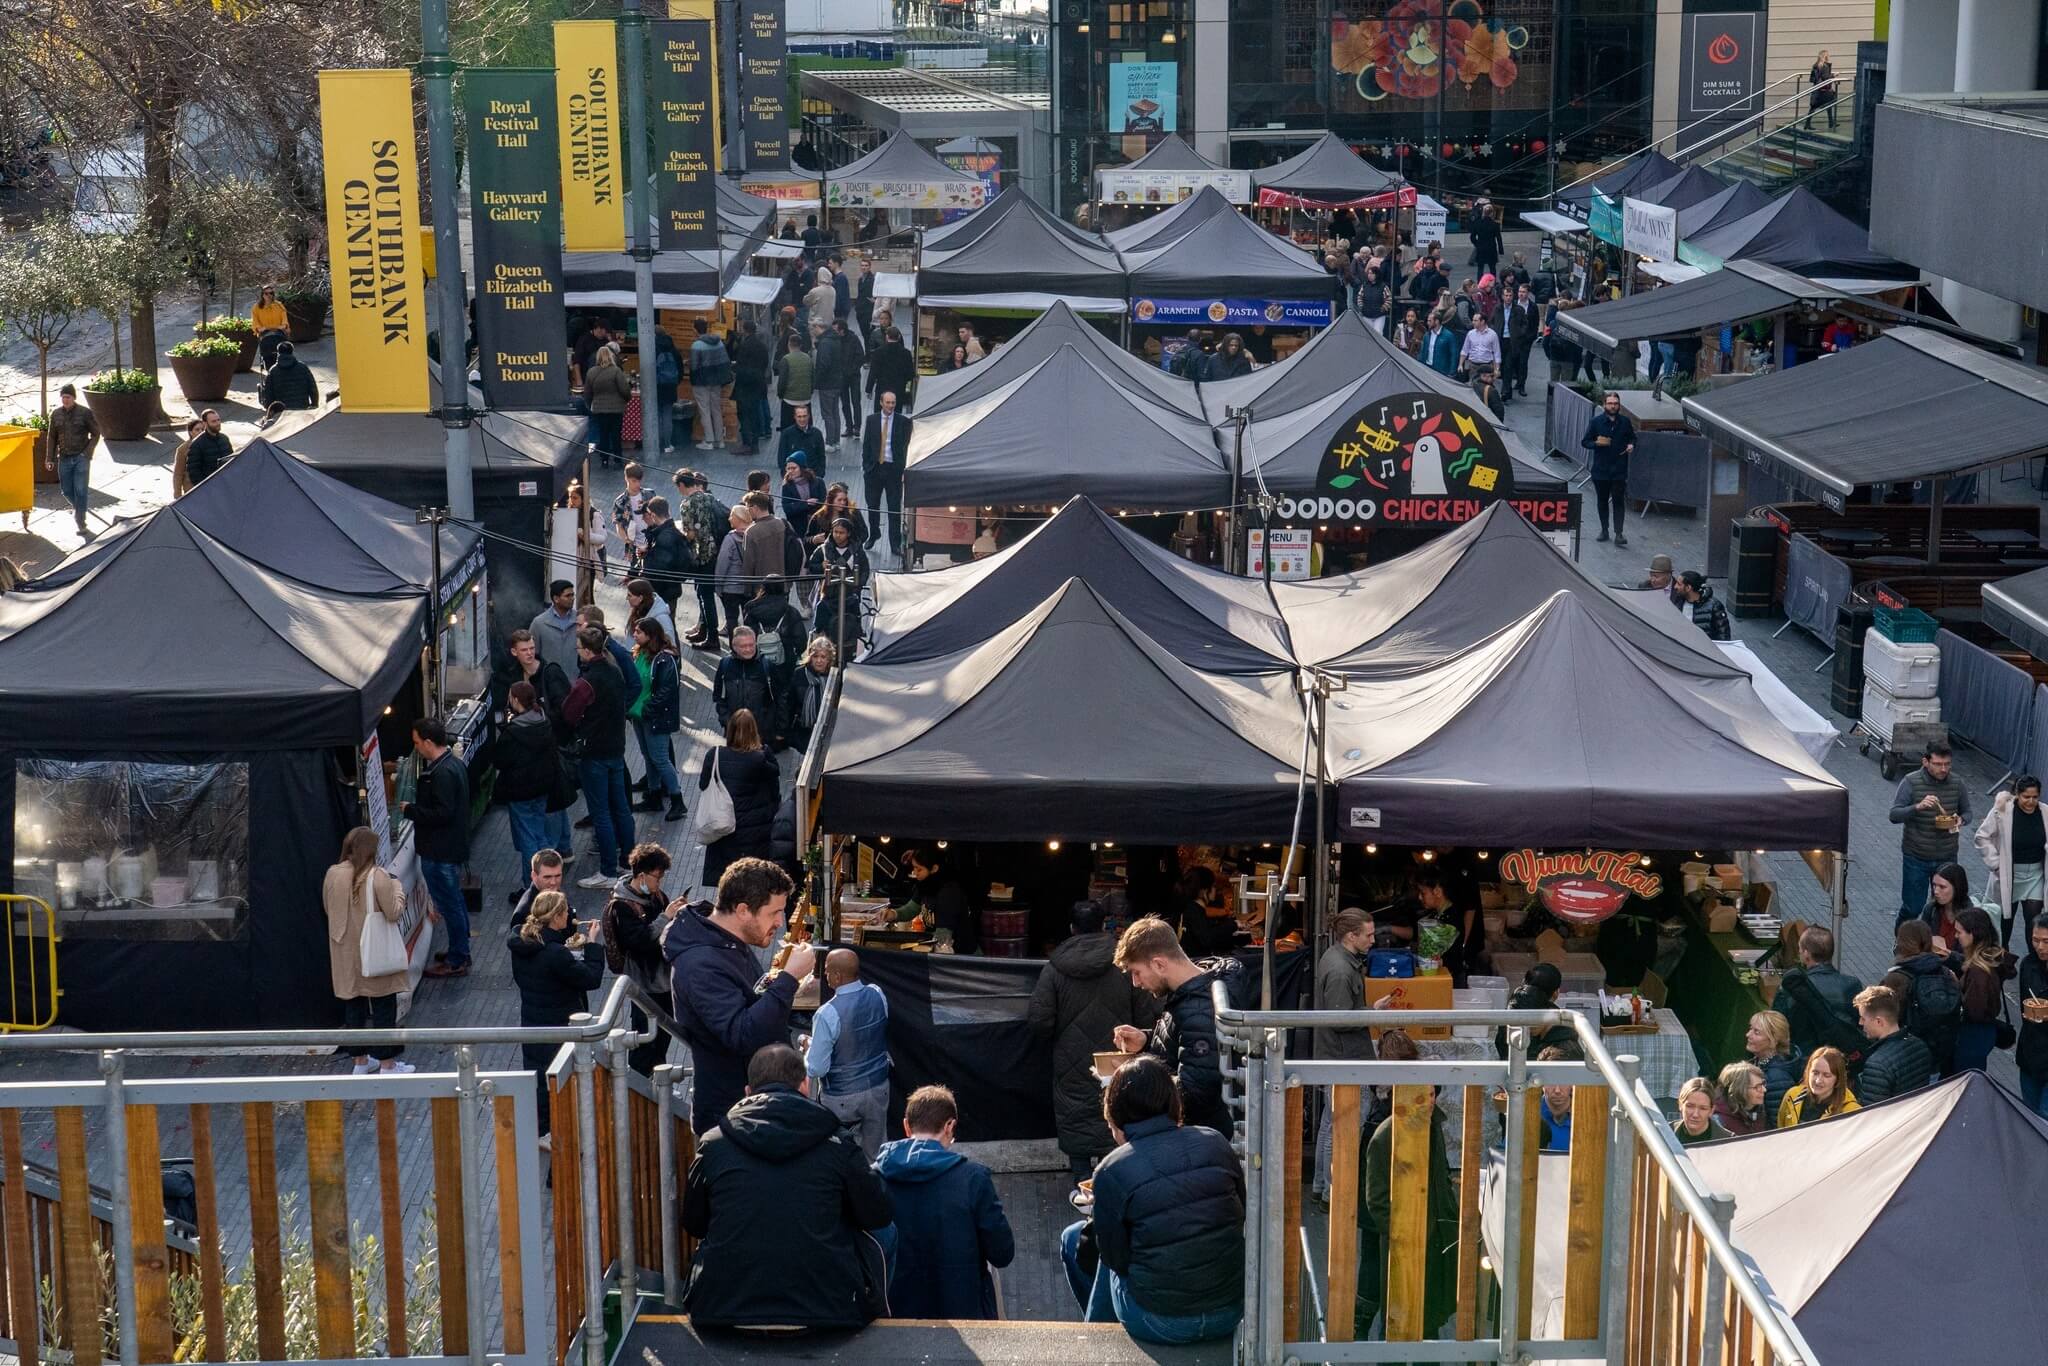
1414 50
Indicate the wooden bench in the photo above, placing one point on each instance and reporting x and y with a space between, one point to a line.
671 1340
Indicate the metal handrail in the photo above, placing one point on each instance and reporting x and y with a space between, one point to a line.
1839 84
1653 146
1795 125
1241 1026
50 936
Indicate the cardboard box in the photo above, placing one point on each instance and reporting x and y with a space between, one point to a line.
1431 992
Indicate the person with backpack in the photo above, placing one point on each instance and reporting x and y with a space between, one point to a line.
636 915
668 379
778 631
1932 996
1819 1000
1185 1035
711 370
1894 1062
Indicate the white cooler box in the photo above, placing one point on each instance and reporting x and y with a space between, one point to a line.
1882 711
1901 670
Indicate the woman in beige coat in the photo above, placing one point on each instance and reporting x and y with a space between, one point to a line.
351 887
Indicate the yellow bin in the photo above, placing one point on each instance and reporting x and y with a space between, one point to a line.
18 469
427 251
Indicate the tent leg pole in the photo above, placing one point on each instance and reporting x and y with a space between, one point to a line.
1934 520
1838 897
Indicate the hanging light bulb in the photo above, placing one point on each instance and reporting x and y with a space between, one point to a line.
942 844
1053 846
1429 856
1372 848
881 839
1484 854
1644 860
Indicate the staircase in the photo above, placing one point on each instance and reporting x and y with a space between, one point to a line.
1794 154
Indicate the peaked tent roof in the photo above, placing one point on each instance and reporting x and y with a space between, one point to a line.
1607 746
1744 290
1024 251
1170 225
902 158
1087 433
971 227
1739 200
1938 1189
1172 153
1688 187
1329 171
240 656
1641 170
1801 233
1044 335
1225 255
1024 720
1209 620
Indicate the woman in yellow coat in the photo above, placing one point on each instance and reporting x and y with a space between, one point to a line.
1823 1094
352 889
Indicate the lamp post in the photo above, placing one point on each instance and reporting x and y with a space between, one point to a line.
437 74
641 214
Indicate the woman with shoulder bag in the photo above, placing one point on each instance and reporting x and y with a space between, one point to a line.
2014 842
748 773
1986 969
368 970
530 769
555 968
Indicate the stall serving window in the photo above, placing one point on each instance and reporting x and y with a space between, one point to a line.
465 629
128 850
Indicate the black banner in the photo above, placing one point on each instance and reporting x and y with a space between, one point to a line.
516 227
684 155
764 85
1721 66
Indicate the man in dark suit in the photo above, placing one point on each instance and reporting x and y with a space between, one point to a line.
884 447
1522 321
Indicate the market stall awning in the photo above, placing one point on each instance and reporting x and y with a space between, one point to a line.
1643 170
1560 731
1209 620
1058 326
966 230
1913 404
1798 232
1744 290
1166 173
2018 609
1069 425
1070 724
1328 174
901 174
1170 225
1024 250
1543 220
682 279
1737 201
1225 256
1690 186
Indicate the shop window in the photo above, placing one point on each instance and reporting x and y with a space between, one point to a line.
129 850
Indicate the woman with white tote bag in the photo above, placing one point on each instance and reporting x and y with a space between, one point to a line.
365 947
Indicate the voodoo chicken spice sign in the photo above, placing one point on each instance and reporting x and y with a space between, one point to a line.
1582 887
1415 460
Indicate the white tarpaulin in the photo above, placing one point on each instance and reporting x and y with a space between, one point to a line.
1813 731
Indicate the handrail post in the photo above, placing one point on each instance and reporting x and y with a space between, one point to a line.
114 1067
1255 1198
1621 1190
590 1199
1511 1228
467 1098
1275 1330
1713 1307
665 1154
622 1176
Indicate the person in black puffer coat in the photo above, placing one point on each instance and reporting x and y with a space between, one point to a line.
1184 1036
2032 1051
754 782
555 970
784 1206
1168 1226
743 681
1080 1000
635 917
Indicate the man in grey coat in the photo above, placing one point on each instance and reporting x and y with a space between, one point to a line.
1340 985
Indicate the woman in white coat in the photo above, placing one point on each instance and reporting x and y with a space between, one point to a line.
352 890
2011 838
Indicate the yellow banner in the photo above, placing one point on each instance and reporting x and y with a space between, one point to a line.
373 240
588 97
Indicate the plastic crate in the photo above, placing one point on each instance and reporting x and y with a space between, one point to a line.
1905 625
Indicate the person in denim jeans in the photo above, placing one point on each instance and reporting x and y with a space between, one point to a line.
439 812
657 716
72 433
596 710
1163 1253
529 768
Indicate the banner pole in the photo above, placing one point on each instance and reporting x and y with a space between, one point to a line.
640 211
437 72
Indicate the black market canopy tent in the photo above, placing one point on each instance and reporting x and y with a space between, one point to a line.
1225 255
1328 174
1207 619
1913 404
1938 1189
682 279
1170 225
1799 232
1071 723
1068 425
1738 200
1735 294
1170 165
965 231
1690 186
1056 327
901 174
1641 171
1025 258
2017 608
1558 730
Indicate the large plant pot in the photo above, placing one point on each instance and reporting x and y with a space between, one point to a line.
245 360
123 415
204 379
308 318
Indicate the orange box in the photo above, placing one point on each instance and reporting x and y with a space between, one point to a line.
1431 992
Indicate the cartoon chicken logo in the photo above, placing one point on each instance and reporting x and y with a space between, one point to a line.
1418 445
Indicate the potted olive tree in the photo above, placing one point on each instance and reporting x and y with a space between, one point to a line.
127 268
43 290
239 330
205 367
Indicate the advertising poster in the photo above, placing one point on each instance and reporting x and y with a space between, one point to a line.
1233 312
1426 56
516 228
764 86
373 235
1649 230
685 156
587 115
1419 459
1720 65
1144 97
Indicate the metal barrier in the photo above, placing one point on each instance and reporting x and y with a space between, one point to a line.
1649 1266
31 971
482 1165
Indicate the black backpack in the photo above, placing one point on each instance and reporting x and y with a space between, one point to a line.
1934 1012
1835 1032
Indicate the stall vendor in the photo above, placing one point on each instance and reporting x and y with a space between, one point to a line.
1205 929
1437 893
940 896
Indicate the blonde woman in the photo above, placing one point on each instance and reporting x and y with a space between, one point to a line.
607 389
352 890
1769 1043
1823 1094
